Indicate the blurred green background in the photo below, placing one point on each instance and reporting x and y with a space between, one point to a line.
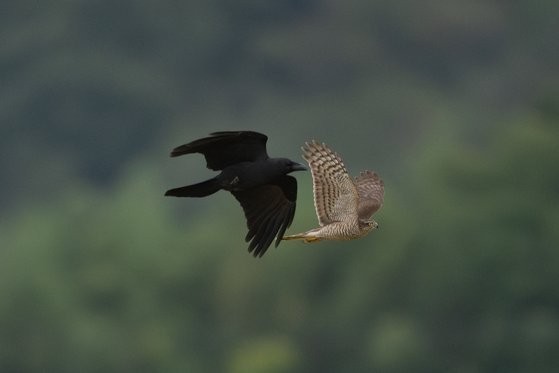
455 103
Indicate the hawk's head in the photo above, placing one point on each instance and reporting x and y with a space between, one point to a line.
368 225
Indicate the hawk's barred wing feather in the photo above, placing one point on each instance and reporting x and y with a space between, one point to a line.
335 196
371 194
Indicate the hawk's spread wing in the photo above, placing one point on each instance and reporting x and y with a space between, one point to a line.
335 196
371 194
222 149
269 211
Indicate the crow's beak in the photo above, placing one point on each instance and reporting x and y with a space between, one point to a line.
298 167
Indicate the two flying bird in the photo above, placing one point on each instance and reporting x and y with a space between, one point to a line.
267 194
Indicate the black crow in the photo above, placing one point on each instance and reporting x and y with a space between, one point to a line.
260 183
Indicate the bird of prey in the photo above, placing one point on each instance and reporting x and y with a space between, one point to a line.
344 206
260 183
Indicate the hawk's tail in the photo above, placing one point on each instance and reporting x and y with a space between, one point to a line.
305 236
203 189
300 236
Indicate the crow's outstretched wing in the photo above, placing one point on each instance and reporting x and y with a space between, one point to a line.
269 211
222 149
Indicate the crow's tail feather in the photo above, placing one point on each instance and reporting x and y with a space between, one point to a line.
203 189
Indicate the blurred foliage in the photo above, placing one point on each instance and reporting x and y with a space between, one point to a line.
453 103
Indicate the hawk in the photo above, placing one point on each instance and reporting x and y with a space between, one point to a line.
344 206
261 184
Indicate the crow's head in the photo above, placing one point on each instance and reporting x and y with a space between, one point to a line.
289 166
